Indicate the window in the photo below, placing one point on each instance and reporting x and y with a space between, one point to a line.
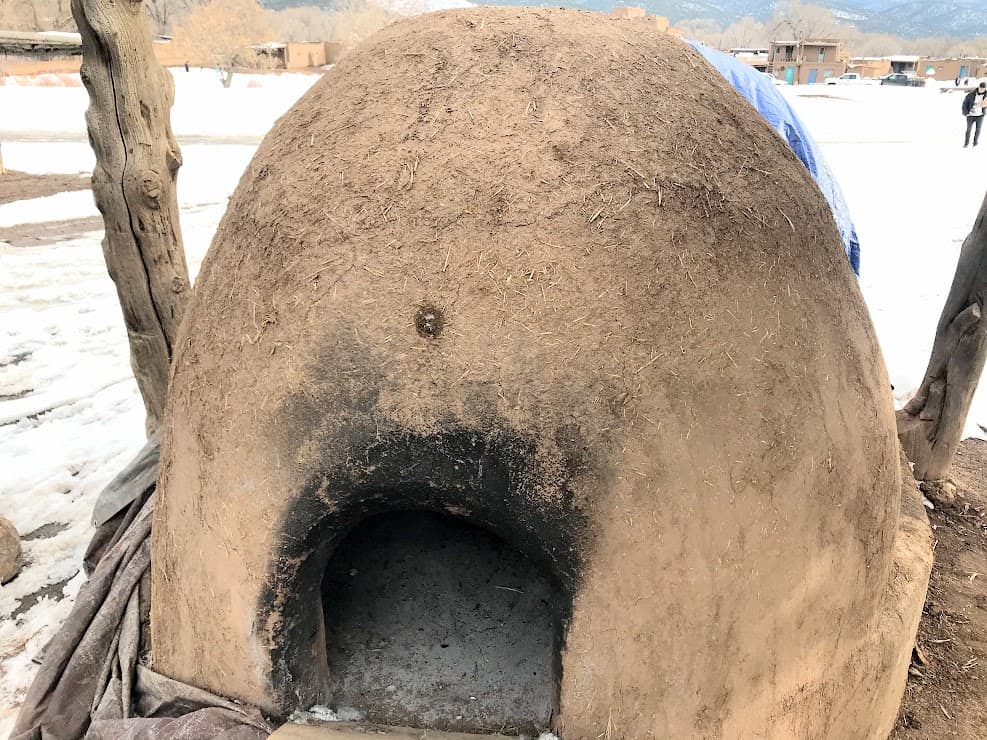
822 54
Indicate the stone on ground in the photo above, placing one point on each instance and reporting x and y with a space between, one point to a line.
10 551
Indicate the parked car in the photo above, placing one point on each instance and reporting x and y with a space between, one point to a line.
847 78
900 78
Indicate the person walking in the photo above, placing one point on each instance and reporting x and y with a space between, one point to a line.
974 107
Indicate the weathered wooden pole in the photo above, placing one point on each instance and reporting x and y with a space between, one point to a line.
137 161
930 426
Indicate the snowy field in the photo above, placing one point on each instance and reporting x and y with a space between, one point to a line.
70 414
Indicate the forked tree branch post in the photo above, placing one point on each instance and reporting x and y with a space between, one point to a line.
930 426
137 161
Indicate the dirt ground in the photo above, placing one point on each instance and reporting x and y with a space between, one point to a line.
15 186
946 695
49 232
21 186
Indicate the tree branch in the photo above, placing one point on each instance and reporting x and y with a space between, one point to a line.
137 161
931 424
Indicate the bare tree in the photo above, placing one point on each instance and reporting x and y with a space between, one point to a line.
347 24
745 33
876 44
59 14
704 30
304 24
18 15
354 20
36 15
56 15
931 46
975 47
163 14
137 161
931 424
223 33
797 22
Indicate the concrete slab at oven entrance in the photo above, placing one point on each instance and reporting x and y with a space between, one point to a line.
355 731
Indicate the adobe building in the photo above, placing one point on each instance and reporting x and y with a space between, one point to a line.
27 52
628 11
300 54
808 62
904 63
659 22
45 52
505 400
30 53
756 57
953 68
937 68
870 67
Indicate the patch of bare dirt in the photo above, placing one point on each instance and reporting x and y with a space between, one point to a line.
53 592
49 232
946 696
22 186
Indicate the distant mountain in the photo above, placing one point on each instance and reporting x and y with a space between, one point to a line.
959 18
911 19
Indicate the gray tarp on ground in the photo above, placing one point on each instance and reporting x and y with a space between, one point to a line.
137 478
91 682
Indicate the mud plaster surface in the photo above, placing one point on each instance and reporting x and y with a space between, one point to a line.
645 304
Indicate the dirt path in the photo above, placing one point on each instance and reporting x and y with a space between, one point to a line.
946 695
21 186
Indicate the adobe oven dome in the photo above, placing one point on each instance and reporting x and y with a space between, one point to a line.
546 274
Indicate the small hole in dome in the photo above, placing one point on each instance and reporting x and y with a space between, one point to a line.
429 321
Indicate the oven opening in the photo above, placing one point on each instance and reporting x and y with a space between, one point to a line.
434 622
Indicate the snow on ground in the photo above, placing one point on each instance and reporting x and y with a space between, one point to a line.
70 418
74 204
70 414
202 106
913 192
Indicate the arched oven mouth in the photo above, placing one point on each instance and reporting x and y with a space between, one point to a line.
430 584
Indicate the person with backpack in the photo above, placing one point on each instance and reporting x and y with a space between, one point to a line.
974 107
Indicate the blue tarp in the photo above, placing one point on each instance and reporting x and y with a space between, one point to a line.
761 92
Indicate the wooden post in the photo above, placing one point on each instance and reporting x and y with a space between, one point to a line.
930 426
137 161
